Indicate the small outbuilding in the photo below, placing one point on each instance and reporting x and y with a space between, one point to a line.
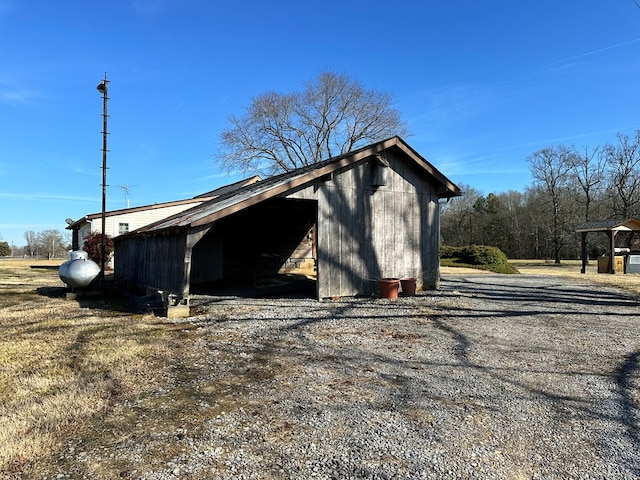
361 216
618 257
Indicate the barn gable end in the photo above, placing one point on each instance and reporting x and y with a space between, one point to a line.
367 231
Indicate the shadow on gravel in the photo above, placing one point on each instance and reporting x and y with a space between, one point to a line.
375 362
108 297
627 378
551 295
538 292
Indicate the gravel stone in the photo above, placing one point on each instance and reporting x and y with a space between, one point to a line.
491 377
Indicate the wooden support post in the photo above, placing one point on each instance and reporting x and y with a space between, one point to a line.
194 235
612 238
178 304
584 253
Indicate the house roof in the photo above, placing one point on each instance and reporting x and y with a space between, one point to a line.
125 211
198 199
259 191
628 225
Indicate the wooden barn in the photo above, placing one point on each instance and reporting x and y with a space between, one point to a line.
361 216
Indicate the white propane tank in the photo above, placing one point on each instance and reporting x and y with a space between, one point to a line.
79 271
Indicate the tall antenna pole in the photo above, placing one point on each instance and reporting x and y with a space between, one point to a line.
126 189
102 88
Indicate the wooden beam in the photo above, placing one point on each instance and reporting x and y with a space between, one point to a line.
612 258
584 253
194 235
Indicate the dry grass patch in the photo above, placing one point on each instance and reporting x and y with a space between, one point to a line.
62 363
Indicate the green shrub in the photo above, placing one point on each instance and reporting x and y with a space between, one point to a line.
476 256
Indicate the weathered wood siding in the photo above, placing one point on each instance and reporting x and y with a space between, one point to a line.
366 233
207 260
153 261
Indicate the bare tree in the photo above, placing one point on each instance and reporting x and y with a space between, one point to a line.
456 219
551 168
589 172
334 114
32 240
623 163
51 243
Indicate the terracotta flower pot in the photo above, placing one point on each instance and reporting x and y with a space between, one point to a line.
408 285
389 287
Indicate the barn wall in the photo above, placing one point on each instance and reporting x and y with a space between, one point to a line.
366 233
153 261
303 256
430 238
207 260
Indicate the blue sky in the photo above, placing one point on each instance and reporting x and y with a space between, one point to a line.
482 85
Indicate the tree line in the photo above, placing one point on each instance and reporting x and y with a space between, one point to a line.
570 187
53 244
46 243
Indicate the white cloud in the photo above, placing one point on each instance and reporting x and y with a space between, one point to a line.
45 196
593 52
14 94
13 98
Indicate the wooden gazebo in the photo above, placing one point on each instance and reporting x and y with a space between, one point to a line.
611 228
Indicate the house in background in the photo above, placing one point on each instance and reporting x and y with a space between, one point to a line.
370 213
118 222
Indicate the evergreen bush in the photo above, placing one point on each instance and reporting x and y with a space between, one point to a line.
476 256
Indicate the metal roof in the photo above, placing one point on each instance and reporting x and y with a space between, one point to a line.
254 193
630 224
229 188
126 211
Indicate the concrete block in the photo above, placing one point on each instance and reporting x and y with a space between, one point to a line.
178 311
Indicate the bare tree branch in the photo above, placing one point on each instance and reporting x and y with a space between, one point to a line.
332 115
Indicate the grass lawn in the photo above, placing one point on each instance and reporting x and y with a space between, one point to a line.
66 364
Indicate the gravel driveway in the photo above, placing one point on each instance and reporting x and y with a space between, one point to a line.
492 377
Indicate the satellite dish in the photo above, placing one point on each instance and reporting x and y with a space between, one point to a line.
69 221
